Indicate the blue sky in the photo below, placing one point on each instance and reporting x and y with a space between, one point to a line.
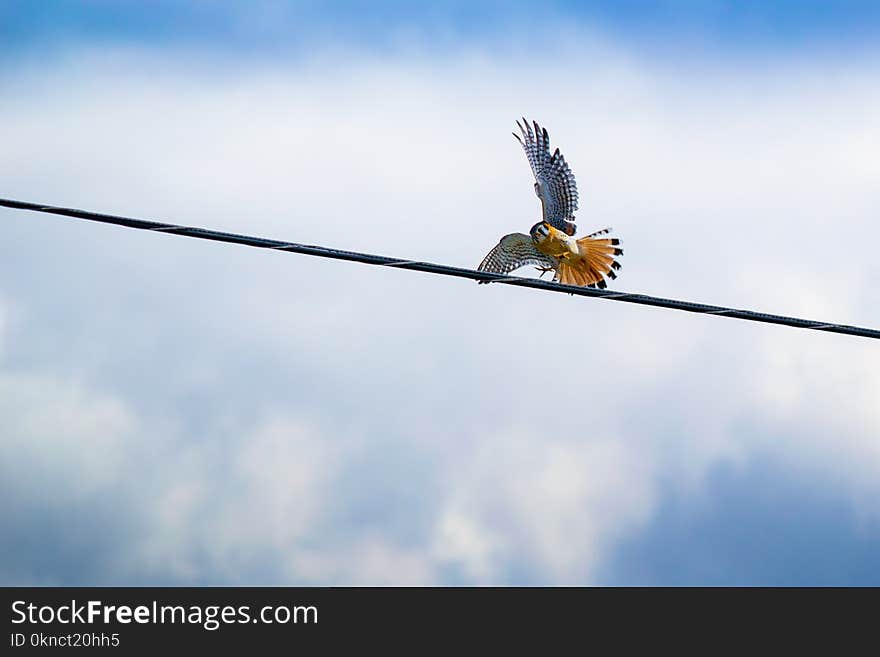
188 413
761 523
277 25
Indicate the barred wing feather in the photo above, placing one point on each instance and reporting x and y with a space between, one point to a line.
512 252
554 182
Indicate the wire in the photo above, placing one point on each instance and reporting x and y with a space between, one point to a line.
443 270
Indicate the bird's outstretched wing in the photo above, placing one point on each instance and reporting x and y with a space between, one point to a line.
514 251
554 182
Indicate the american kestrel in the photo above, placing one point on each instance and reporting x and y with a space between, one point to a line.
550 244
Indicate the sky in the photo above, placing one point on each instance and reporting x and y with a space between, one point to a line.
179 412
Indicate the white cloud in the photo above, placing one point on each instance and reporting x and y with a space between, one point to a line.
60 440
546 504
263 418
217 509
4 321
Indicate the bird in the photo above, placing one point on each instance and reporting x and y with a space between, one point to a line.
550 244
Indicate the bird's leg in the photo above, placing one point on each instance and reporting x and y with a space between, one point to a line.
544 270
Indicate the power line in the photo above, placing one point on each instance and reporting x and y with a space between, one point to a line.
444 270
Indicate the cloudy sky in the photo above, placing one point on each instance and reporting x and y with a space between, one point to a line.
183 412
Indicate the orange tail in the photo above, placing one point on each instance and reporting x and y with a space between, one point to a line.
596 261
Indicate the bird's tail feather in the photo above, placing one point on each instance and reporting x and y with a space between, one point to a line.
598 260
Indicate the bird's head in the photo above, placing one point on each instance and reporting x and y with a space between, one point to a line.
540 231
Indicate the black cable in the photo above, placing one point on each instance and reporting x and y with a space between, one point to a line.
444 270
